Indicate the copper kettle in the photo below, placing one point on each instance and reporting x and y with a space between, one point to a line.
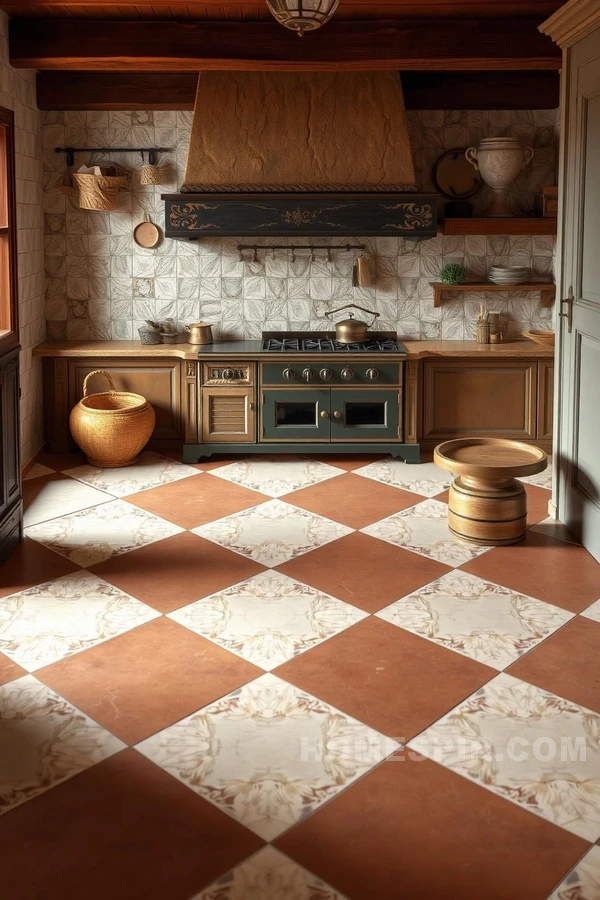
199 333
351 330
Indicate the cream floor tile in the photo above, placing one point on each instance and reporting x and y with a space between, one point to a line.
37 471
424 529
593 611
582 882
272 532
269 875
542 479
268 619
151 471
527 745
60 498
426 479
45 623
95 534
267 754
44 741
477 618
276 476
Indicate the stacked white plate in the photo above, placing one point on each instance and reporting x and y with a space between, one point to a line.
509 274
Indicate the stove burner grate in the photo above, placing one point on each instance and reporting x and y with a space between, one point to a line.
328 345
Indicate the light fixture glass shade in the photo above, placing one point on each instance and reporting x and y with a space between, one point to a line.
302 15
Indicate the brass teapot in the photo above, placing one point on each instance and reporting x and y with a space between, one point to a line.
351 330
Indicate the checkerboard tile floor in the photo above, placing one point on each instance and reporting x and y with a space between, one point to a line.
284 679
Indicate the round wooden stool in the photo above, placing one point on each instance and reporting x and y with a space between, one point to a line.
486 504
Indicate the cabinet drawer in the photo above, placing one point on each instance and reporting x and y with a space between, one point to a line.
479 397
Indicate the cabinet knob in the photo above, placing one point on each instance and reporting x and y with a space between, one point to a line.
228 374
337 414
324 414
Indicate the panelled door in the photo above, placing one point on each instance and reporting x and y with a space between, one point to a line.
578 450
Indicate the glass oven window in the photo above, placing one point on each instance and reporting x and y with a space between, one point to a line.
365 413
299 413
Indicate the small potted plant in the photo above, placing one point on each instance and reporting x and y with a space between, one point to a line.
452 273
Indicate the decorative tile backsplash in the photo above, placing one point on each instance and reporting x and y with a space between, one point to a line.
101 285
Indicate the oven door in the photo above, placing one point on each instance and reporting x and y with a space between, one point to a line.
365 414
295 415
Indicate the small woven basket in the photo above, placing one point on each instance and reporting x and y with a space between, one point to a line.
111 427
99 192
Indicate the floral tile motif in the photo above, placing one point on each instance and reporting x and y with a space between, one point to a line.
45 740
273 532
37 471
53 620
426 479
582 882
527 745
59 496
93 535
269 875
268 619
424 529
267 754
542 479
151 471
593 611
477 618
276 476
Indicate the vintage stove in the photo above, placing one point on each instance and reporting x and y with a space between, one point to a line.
303 392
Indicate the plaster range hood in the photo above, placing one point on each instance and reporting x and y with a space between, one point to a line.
279 154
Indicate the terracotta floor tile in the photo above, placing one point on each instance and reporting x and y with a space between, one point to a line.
537 503
352 500
115 685
170 573
9 670
196 501
30 564
364 571
567 663
414 829
563 574
61 461
374 671
123 829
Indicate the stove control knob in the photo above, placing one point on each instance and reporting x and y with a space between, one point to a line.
326 374
347 374
228 374
289 374
372 374
308 374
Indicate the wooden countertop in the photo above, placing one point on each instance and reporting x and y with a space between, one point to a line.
416 350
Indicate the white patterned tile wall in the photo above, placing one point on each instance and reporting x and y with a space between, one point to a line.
17 92
101 285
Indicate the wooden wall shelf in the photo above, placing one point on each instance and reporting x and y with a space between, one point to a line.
546 290
489 225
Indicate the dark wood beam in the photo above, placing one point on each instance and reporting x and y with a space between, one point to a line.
433 44
177 90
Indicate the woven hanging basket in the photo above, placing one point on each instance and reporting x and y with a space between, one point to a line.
100 192
113 427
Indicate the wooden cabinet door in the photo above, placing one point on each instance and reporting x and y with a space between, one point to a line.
10 466
464 397
545 399
158 380
228 415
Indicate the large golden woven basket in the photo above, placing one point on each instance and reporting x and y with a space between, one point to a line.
112 427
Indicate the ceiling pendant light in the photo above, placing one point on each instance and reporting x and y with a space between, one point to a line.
302 15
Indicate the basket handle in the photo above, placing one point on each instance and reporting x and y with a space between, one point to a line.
111 384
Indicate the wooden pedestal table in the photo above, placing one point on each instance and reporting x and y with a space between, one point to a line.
486 504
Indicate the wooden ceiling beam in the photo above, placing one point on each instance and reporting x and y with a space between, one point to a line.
433 44
177 90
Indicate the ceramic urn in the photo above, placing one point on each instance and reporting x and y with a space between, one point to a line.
499 160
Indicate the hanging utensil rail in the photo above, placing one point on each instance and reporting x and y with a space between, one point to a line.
71 151
337 248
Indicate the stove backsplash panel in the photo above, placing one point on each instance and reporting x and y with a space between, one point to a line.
102 286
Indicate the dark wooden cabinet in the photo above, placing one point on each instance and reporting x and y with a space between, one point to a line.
10 474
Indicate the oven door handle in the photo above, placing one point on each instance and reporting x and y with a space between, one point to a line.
337 414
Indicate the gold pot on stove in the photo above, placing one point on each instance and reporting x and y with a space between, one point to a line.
351 330
199 333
